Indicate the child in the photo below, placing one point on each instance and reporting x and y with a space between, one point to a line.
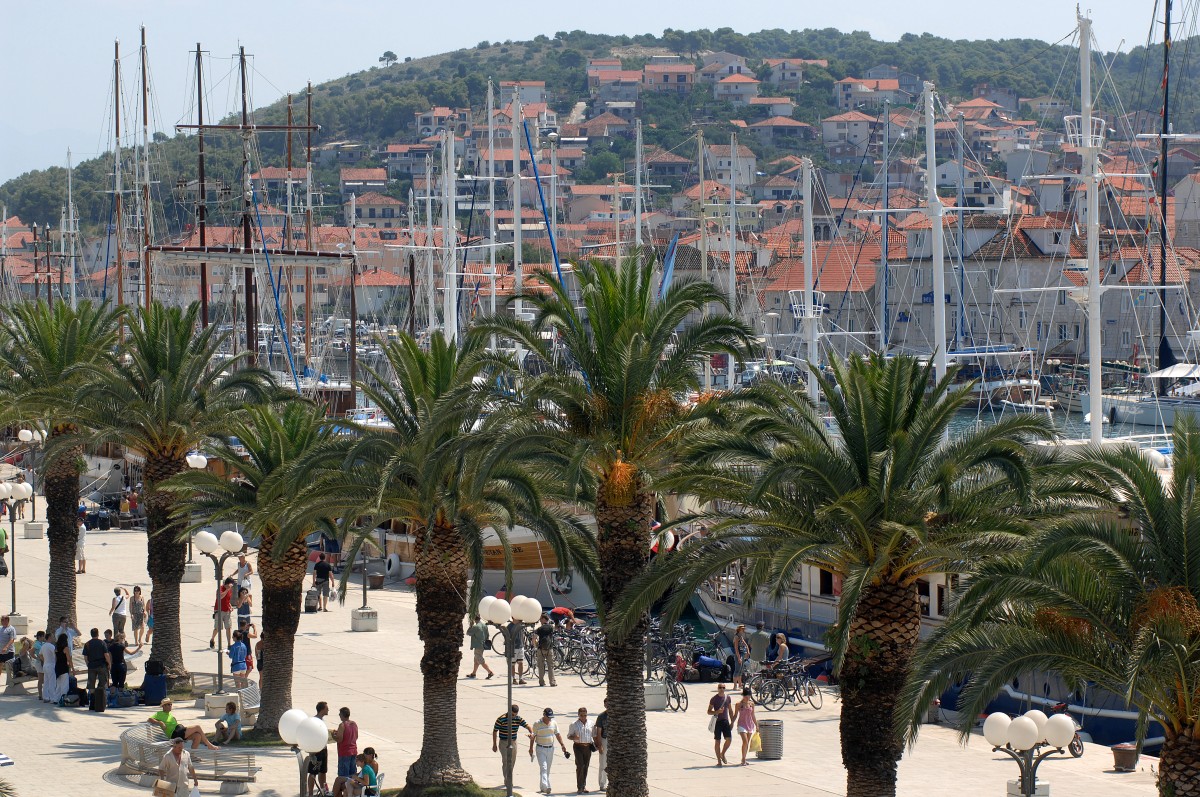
229 726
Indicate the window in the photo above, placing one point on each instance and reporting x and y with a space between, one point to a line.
1077 332
1058 238
1062 297
1039 330
319 271
825 583
917 277
666 78
1124 302
993 275
1062 332
1125 339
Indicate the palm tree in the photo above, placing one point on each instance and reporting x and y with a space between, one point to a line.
619 423
1109 599
169 392
883 500
43 349
271 439
449 483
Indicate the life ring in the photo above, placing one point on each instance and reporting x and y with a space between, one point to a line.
393 566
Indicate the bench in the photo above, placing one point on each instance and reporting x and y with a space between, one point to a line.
249 698
143 748
205 683
14 686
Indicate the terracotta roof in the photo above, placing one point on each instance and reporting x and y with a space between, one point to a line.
661 68
722 151
279 173
781 121
850 116
737 78
376 198
363 175
769 100
599 190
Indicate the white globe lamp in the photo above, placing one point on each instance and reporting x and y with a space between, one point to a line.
197 461
231 541
289 721
26 490
500 612
312 735
6 491
1023 734
1059 731
995 728
1039 719
206 541
25 436
485 606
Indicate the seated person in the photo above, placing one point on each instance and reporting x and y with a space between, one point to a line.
366 784
23 663
229 726
173 730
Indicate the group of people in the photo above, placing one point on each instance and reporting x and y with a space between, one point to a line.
234 598
586 735
515 638
725 716
357 773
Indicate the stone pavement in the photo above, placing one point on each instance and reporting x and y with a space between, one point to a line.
72 751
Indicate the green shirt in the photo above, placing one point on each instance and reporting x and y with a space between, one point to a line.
507 730
168 720
3 538
478 634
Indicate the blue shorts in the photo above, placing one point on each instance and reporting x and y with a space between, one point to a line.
346 767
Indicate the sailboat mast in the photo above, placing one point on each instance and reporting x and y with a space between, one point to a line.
882 279
960 324
118 227
201 186
491 112
515 195
251 299
810 316
703 244
146 216
308 228
429 288
72 230
1090 150
1164 348
935 212
732 285
287 226
353 301
449 278
637 196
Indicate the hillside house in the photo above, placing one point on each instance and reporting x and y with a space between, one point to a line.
361 181
376 211
719 164
773 106
721 65
345 152
785 74
737 90
273 181
406 160
853 93
779 129
528 91
595 201
669 77
852 129
909 83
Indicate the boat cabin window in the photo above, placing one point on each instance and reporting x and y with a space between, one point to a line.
923 597
829 585
941 600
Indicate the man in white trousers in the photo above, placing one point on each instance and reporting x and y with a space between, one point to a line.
545 732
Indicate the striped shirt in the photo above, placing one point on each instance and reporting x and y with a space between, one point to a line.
544 732
506 728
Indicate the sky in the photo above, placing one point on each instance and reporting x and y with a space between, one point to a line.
56 61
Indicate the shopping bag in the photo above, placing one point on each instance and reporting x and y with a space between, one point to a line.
755 742
712 723
195 792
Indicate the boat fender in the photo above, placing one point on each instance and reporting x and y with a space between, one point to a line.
1156 458
393 566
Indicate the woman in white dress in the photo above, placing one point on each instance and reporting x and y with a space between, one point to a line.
49 681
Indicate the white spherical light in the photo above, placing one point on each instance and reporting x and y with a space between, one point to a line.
206 541
485 607
1023 734
531 610
1059 730
312 735
232 541
24 435
1039 719
5 491
995 728
26 490
519 608
500 612
289 721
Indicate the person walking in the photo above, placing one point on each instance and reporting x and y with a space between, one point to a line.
237 659
150 619
222 607
8 640
545 651
119 610
245 604
118 669
322 579
545 732
581 733
515 633
719 707
137 613
176 768
478 634
318 763
600 738
746 722
346 736
3 549
760 640
49 676
741 656
99 663
80 547
504 741
64 667
244 571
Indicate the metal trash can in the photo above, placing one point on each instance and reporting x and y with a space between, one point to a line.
770 732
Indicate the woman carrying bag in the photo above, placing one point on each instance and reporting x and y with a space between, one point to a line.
746 723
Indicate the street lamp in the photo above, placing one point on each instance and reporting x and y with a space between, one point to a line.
34 438
305 734
231 542
1020 739
500 613
195 461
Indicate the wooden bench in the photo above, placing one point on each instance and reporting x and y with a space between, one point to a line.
143 748
14 686
249 698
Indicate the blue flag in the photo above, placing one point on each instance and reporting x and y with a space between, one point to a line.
668 267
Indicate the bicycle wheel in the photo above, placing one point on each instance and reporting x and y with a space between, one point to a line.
758 688
810 692
774 695
594 673
1076 746
498 642
683 699
672 694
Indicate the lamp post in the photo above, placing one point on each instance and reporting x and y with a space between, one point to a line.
306 735
195 461
34 438
1021 738
230 544
500 613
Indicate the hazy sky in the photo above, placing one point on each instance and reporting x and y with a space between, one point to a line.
56 58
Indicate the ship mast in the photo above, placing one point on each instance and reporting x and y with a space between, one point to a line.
146 216
118 228
251 299
1165 357
201 188
935 211
308 228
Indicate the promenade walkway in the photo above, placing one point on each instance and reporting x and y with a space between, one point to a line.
73 751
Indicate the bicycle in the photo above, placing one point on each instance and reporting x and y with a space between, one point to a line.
677 697
792 686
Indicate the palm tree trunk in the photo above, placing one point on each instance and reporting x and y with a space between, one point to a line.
883 636
441 587
1179 766
283 581
624 550
165 557
61 488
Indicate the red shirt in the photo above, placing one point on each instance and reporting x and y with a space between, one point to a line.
225 604
348 745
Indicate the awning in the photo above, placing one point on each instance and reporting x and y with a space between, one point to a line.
1177 371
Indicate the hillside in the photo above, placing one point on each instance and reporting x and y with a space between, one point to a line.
377 105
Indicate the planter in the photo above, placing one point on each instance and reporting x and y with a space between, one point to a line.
1125 757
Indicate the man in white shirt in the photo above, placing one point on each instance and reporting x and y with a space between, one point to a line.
545 732
580 733
8 640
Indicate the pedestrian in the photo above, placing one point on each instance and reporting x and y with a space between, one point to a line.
3 550
39 642
545 732
741 655
237 658
116 654
781 650
333 548
721 724
744 719
150 619
600 737
515 634
245 603
64 667
244 571
318 762
137 613
8 640
80 540
346 736
222 607
581 733
478 634
95 654
49 676
66 628
322 578
20 504
760 640
119 610
176 768
545 651
504 741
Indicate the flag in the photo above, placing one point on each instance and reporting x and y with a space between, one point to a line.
668 267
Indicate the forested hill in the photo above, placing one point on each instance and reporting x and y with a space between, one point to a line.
377 105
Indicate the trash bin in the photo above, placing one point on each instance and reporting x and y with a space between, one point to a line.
770 732
1125 757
